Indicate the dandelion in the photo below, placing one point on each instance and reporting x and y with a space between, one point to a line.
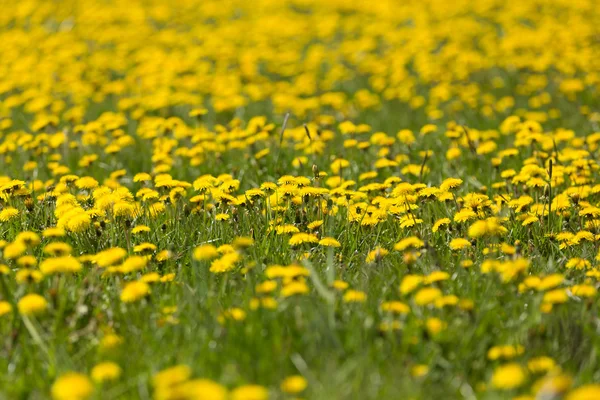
410 242
224 263
294 288
205 252
355 296
419 370
234 313
556 296
578 263
8 213
140 229
134 263
294 384
586 392
459 244
86 183
109 257
439 223
163 255
550 282
395 307
376 255
29 239
242 242
58 249
450 183
53 232
249 392
28 276
14 250
435 326
340 285
490 226
436 276
72 386
79 223
32 304
202 389
410 283
171 376
110 341
541 364
315 225
508 376
300 238
27 261
106 371
222 217
134 291
5 308
144 248
464 215
60 265
284 229
553 385
329 242
427 296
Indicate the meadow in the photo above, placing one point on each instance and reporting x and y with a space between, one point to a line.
299 199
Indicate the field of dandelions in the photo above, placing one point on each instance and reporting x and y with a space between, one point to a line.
299 199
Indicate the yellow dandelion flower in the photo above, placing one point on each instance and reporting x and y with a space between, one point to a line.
32 304
27 276
249 392
315 225
355 296
396 307
439 223
294 288
222 217
376 255
459 244
134 291
8 213
106 371
110 341
53 232
5 308
171 376
586 392
242 242
55 265
340 285
419 370
202 389
465 214
435 325
140 229
409 242
410 283
450 183
205 252
329 242
294 384
508 376
427 296
300 238
72 386
86 183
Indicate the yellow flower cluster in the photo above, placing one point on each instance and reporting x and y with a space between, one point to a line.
330 199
